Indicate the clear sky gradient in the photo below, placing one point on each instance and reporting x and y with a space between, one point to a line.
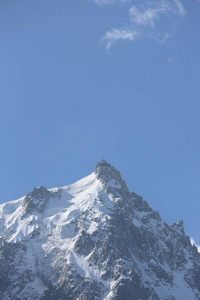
80 79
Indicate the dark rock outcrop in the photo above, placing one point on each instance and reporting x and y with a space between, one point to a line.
95 250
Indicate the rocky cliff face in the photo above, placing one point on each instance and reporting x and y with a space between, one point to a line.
93 240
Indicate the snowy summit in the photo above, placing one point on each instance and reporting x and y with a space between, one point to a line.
93 240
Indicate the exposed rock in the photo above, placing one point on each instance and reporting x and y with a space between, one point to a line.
94 240
36 200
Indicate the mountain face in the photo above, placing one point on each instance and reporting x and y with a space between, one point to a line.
93 240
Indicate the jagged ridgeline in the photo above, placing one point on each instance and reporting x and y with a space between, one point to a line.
93 240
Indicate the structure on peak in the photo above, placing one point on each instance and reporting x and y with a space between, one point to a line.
111 179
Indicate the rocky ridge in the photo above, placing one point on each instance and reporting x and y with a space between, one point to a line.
93 240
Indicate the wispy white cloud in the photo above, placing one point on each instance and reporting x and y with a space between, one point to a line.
118 34
107 2
150 19
180 8
143 18
104 2
147 15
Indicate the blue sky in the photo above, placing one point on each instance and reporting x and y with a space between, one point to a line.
81 79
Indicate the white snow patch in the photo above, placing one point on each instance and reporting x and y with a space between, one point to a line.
114 184
192 241
136 222
82 267
141 214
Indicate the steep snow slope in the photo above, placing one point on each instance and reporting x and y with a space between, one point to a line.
21 218
93 240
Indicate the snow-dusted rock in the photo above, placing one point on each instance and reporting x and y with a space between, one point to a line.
93 240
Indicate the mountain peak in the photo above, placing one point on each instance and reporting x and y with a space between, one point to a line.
102 164
111 178
93 240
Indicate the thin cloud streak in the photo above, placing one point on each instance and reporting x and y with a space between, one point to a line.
180 7
118 34
107 2
146 20
146 16
104 2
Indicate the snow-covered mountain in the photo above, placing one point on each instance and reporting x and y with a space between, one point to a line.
93 240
